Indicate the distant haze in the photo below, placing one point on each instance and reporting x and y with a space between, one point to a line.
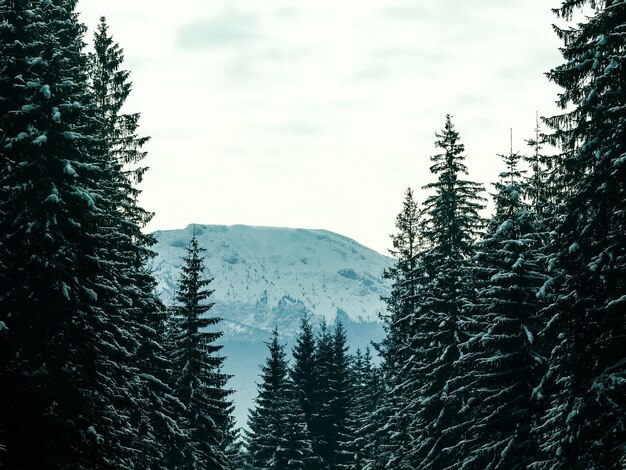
319 114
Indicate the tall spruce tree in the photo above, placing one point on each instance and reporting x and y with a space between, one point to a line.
157 409
303 372
198 381
391 437
499 364
70 394
451 225
584 425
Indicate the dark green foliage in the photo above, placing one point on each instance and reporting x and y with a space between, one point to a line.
278 438
450 227
389 441
499 366
303 373
586 384
156 410
68 380
198 381
367 396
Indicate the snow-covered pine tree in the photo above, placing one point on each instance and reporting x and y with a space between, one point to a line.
499 364
451 225
584 425
333 395
197 378
156 407
278 438
298 441
233 444
351 455
303 372
323 371
404 277
391 438
541 190
67 379
341 405
367 393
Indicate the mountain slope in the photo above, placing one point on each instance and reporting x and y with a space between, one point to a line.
266 276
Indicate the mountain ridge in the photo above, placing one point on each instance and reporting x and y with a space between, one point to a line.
269 276
260 281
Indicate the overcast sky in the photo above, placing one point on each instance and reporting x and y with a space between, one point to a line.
319 114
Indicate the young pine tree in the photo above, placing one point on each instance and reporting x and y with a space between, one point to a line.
405 279
584 425
198 381
367 392
278 438
395 349
303 373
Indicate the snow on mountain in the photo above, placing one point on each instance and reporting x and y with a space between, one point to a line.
267 276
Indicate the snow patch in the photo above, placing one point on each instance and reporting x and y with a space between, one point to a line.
56 115
65 290
45 91
90 293
68 169
42 139
504 226
620 161
529 335
616 302
54 198
72 135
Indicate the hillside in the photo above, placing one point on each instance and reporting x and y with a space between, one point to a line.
266 276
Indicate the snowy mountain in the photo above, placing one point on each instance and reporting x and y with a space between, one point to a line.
266 276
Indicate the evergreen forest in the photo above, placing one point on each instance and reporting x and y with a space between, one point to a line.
505 328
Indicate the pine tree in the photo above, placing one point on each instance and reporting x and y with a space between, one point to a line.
366 397
303 373
584 425
499 364
404 276
451 225
278 438
395 349
69 393
333 396
156 408
198 381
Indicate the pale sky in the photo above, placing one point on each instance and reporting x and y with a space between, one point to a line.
319 114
